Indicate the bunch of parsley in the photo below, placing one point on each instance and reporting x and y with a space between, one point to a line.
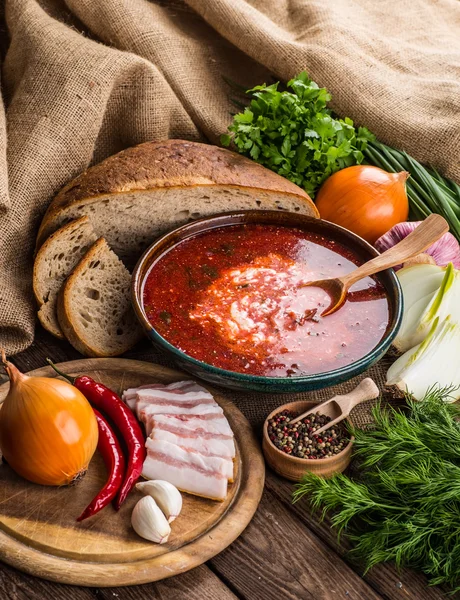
404 504
295 134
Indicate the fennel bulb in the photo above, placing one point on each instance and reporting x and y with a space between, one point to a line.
429 292
434 361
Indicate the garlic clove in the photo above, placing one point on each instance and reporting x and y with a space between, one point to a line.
165 494
149 522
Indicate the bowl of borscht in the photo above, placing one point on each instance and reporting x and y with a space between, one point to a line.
224 296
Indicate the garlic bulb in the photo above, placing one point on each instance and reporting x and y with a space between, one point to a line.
149 522
165 494
444 251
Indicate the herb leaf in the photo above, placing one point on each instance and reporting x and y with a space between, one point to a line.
295 134
210 271
404 504
165 316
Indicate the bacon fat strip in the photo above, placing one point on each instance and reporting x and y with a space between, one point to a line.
209 446
203 423
215 427
203 410
213 448
190 472
179 387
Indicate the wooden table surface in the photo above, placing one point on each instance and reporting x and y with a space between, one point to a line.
285 553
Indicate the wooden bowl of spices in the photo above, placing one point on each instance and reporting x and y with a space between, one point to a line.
331 451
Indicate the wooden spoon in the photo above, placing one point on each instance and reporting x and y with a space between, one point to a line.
339 407
428 232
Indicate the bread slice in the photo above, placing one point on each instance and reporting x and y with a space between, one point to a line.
94 308
53 264
139 193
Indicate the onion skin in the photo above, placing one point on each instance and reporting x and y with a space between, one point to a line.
48 431
444 251
364 199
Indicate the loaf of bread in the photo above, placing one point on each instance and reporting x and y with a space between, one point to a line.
139 193
127 201
94 306
53 264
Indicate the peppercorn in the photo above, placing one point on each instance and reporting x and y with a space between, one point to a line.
300 439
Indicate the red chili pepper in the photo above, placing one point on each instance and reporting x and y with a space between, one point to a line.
112 454
108 402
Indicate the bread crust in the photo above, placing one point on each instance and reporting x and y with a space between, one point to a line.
44 249
44 323
48 323
64 301
169 163
63 307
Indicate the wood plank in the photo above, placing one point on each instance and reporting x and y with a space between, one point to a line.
384 578
199 584
46 346
279 558
18 586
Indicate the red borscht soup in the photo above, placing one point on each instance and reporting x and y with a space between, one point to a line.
233 297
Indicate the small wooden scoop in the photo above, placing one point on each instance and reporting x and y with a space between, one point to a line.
428 232
339 407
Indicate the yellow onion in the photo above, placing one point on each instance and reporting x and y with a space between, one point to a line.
364 199
48 431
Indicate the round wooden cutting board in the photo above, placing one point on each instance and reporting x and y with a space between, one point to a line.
39 533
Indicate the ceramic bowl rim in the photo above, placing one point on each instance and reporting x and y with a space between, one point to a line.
138 280
296 459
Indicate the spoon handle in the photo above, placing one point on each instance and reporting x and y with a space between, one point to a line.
365 390
428 232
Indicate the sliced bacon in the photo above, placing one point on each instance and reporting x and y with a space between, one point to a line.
204 411
167 397
194 441
129 395
191 443
178 387
190 472
190 425
207 447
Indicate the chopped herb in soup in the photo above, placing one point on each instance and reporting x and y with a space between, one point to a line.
233 297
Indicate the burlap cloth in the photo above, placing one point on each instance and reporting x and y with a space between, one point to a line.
83 79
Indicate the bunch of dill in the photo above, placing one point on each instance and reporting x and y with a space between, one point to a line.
404 506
